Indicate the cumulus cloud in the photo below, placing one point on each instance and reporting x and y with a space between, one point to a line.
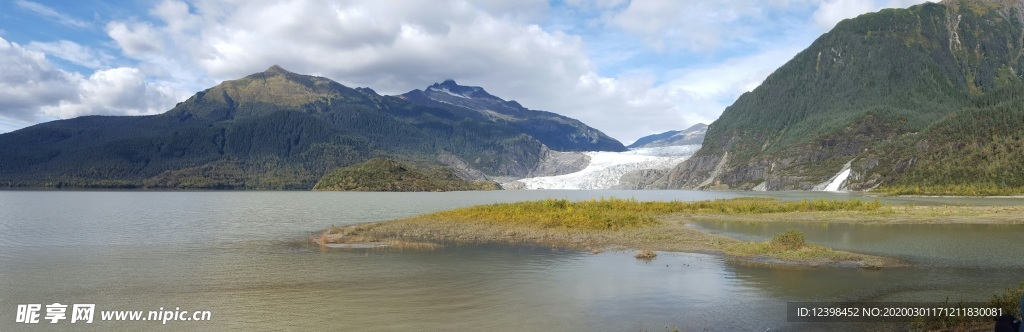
32 90
116 91
135 39
397 47
28 81
502 45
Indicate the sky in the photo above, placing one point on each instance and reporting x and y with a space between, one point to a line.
627 68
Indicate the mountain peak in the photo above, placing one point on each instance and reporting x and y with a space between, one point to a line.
449 87
694 135
276 69
449 84
275 86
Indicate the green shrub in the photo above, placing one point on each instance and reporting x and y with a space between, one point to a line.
790 240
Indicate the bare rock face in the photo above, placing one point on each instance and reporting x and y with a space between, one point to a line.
690 174
461 168
551 163
641 179
557 163
514 185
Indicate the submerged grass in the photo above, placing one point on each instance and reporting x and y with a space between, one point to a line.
618 223
790 247
1008 301
888 214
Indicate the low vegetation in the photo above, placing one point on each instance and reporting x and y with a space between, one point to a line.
790 247
380 174
975 189
1008 301
904 214
617 223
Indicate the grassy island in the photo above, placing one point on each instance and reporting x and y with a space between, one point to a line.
381 174
629 224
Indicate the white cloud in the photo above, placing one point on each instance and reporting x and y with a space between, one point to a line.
116 91
396 47
28 81
74 53
50 12
32 90
135 39
830 12
700 25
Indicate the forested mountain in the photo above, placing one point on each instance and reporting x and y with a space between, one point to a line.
690 136
274 129
921 100
558 132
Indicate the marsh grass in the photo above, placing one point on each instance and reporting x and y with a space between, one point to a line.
886 214
789 246
604 223
1008 301
790 240
614 213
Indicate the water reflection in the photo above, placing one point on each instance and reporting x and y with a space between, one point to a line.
239 255
949 245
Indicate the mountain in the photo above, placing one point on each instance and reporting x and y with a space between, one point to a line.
557 132
927 99
381 174
690 136
269 130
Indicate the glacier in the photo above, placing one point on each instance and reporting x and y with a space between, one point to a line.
606 169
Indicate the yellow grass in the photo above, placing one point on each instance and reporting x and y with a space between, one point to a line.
617 223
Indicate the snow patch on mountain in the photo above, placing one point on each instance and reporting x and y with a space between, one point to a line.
693 135
689 135
606 169
445 90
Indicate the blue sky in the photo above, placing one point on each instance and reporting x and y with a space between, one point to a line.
628 68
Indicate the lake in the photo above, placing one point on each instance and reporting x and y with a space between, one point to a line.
242 256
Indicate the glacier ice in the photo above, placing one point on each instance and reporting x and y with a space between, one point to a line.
607 168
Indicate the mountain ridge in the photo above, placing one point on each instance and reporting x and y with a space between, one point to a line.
558 132
694 135
269 130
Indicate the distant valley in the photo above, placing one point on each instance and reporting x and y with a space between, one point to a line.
648 160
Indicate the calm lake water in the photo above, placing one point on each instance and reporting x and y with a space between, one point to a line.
241 255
